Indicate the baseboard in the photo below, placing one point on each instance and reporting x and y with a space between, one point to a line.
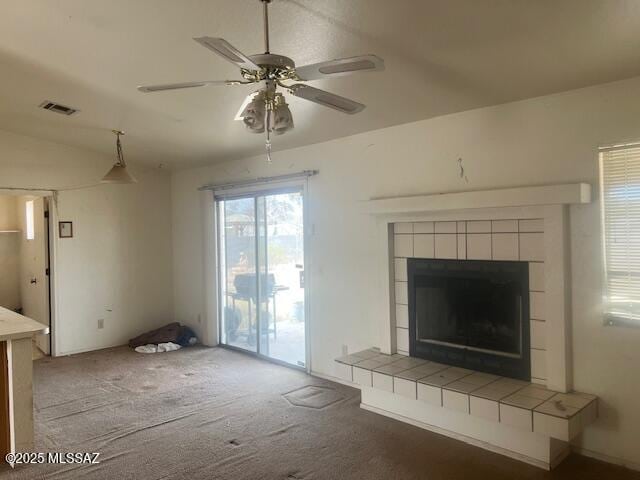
335 379
606 458
463 438
88 349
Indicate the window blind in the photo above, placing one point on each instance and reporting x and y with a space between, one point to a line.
620 186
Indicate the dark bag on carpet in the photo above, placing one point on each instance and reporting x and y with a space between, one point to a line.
186 337
168 333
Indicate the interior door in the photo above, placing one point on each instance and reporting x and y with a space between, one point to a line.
34 264
261 258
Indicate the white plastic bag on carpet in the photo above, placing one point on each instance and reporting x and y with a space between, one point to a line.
161 347
168 347
149 348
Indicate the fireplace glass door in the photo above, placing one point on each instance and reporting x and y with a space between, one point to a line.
475 313
261 259
470 313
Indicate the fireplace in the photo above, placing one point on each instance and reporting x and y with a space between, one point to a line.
472 314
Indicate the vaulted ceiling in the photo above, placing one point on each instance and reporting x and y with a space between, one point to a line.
442 56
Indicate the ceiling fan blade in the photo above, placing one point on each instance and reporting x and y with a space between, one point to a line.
343 66
178 86
227 51
326 99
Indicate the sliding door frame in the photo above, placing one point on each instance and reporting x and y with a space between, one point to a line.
300 185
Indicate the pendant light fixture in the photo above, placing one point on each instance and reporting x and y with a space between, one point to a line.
119 173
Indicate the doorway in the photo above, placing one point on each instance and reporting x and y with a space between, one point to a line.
261 268
24 256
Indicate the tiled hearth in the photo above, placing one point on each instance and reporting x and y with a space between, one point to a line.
513 403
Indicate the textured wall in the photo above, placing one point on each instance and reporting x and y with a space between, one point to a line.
545 140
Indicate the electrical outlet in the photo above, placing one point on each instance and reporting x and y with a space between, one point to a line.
345 350
199 318
100 323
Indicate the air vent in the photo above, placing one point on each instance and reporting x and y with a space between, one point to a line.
56 107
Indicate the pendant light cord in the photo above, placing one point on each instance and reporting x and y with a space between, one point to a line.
119 148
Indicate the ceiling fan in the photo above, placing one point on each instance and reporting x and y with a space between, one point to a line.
266 110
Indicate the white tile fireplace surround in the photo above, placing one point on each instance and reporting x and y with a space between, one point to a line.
515 239
523 224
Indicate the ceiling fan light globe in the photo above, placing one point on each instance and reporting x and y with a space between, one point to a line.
282 119
254 124
254 116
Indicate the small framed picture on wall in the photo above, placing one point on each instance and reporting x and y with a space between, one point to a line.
65 229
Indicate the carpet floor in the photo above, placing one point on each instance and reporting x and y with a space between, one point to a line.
211 413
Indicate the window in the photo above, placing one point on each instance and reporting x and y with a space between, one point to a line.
620 190
29 220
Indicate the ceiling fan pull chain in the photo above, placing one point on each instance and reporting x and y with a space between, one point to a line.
268 148
267 129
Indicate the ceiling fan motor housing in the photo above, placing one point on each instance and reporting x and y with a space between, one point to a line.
272 67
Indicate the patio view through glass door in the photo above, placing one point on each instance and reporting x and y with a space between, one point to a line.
263 313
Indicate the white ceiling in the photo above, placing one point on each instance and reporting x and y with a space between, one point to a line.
442 56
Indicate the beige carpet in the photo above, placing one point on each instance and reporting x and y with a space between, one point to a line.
203 413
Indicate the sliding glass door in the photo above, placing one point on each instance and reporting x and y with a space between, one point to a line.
261 259
238 242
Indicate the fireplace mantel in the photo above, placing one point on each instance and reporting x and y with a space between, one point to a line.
571 193
547 203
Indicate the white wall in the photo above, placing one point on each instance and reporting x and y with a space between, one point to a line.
552 139
8 213
118 264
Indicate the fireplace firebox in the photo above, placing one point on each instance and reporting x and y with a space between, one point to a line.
471 313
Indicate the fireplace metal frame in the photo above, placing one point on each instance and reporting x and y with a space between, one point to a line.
498 363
